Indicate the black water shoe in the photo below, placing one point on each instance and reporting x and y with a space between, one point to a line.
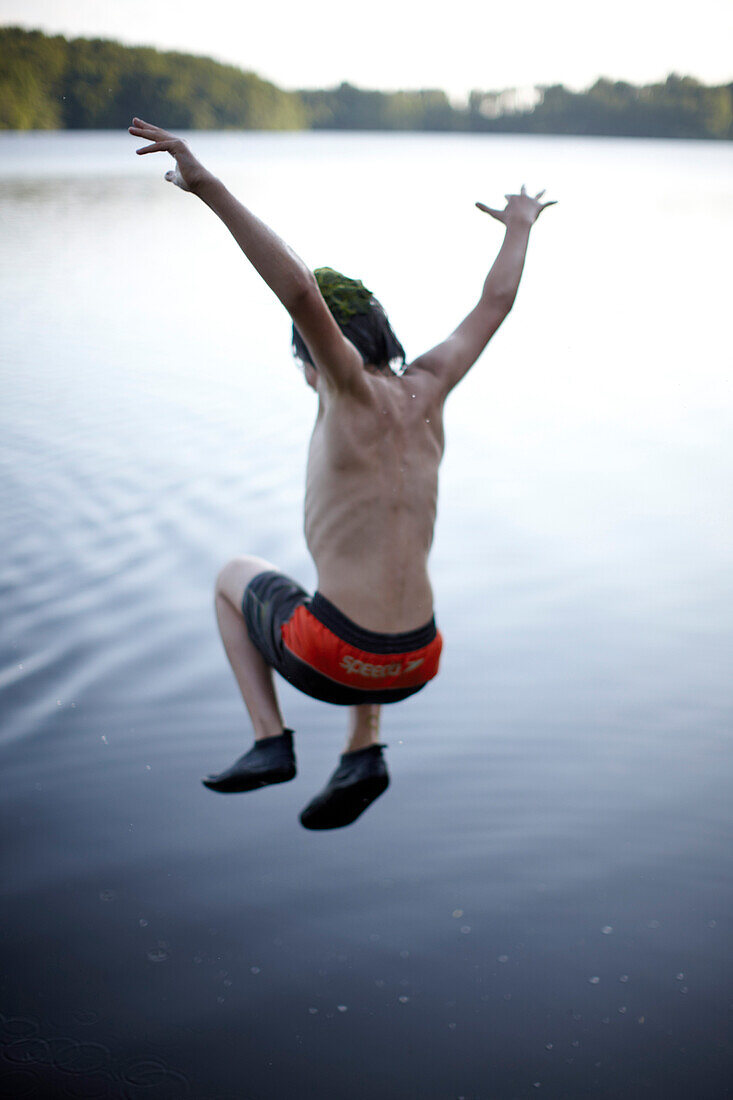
360 778
270 760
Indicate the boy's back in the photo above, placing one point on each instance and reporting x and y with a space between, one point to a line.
371 497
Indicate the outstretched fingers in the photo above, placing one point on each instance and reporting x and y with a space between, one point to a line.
141 124
505 215
140 128
488 210
157 147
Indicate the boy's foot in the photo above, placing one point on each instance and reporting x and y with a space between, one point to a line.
270 760
360 778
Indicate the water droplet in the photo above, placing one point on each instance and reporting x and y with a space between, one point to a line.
653 924
313 1011
142 922
457 913
536 1084
220 1000
148 768
158 955
227 982
404 954
107 895
58 703
452 1027
342 1008
594 980
683 989
680 977
549 1046
403 1000
712 923
502 958
575 1043
379 983
413 395
465 929
85 1017
622 1009
254 969
104 739
641 1019
607 929
623 978
606 1020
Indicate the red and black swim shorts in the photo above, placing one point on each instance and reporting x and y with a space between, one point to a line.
322 653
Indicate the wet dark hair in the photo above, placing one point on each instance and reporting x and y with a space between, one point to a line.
360 317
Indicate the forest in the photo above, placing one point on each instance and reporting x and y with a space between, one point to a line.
53 83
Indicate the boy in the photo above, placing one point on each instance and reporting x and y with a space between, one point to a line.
368 636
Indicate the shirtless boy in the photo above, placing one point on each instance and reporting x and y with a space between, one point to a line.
368 635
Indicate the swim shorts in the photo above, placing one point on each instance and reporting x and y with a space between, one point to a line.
323 654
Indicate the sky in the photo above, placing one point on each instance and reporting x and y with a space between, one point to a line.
391 44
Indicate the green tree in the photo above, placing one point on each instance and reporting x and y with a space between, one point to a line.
48 82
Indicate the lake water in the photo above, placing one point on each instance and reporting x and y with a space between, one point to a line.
541 902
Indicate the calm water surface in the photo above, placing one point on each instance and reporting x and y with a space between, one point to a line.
541 903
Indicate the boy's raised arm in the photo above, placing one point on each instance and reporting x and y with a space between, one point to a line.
450 360
281 268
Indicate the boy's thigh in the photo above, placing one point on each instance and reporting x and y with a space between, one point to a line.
236 575
270 599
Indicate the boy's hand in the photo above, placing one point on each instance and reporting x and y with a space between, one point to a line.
189 173
520 209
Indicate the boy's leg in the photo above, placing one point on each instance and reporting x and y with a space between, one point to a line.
250 669
360 777
363 726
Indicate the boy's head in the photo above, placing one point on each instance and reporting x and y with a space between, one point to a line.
361 319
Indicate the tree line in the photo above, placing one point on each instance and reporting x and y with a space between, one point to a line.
50 82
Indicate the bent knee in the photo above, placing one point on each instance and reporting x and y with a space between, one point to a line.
234 577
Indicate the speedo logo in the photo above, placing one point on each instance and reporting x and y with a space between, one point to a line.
378 672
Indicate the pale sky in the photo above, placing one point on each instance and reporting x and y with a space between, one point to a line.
399 44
